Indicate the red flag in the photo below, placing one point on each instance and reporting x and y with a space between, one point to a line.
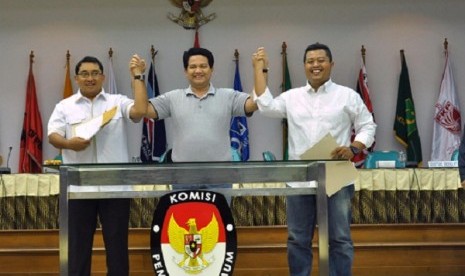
196 40
362 90
30 155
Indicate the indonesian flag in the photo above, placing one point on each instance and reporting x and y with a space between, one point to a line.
447 122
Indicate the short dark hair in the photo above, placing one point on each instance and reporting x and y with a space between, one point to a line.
88 59
319 46
197 52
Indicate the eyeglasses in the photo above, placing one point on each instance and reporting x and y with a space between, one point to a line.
318 61
93 74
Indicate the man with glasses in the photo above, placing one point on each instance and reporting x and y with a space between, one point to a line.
108 145
313 110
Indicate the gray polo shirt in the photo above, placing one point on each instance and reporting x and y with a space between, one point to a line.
200 125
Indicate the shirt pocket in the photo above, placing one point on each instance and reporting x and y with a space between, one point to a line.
72 121
75 119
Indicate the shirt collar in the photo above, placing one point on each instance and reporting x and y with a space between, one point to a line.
102 95
323 88
211 91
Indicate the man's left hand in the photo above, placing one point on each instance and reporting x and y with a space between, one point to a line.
342 153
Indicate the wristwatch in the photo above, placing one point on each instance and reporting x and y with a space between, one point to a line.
139 77
355 150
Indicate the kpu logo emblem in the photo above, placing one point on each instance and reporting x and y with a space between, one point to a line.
193 233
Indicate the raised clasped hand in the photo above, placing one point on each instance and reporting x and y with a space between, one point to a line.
137 65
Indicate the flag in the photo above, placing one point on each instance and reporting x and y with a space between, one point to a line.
68 88
405 125
238 131
67 92
30 154
286 85
447 124
111 78
153 143
363 91
196 39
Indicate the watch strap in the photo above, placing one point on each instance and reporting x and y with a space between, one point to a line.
139 77
355 150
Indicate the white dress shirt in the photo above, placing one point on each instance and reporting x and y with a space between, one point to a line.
109 145
312 114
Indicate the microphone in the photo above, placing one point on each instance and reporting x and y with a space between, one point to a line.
7 170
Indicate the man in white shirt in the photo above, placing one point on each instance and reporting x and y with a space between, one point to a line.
108 145
319 107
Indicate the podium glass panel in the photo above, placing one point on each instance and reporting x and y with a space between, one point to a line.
164 176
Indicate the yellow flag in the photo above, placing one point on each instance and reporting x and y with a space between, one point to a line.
68 90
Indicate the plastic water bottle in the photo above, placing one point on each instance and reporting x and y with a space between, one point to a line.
402 159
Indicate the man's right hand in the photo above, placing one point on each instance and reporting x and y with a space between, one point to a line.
260 59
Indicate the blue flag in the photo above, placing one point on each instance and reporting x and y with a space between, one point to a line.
238 132
153 143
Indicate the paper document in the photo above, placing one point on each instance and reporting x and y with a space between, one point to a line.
338 173
88 129
321 150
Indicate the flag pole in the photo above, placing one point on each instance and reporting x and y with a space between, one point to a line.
284 59
68 56
446 46
283 88
110 53
363 50
446 50
31 58
153 53
68 88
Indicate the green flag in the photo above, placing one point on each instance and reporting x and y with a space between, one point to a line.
286 85
405 125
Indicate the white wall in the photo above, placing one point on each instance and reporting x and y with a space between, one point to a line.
52 27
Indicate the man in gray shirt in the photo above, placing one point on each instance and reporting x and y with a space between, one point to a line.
201 114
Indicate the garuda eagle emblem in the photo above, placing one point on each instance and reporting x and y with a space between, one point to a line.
191 16
193 243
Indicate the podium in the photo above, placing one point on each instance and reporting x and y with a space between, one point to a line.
136 174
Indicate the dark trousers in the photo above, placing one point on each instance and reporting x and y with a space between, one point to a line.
114 217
